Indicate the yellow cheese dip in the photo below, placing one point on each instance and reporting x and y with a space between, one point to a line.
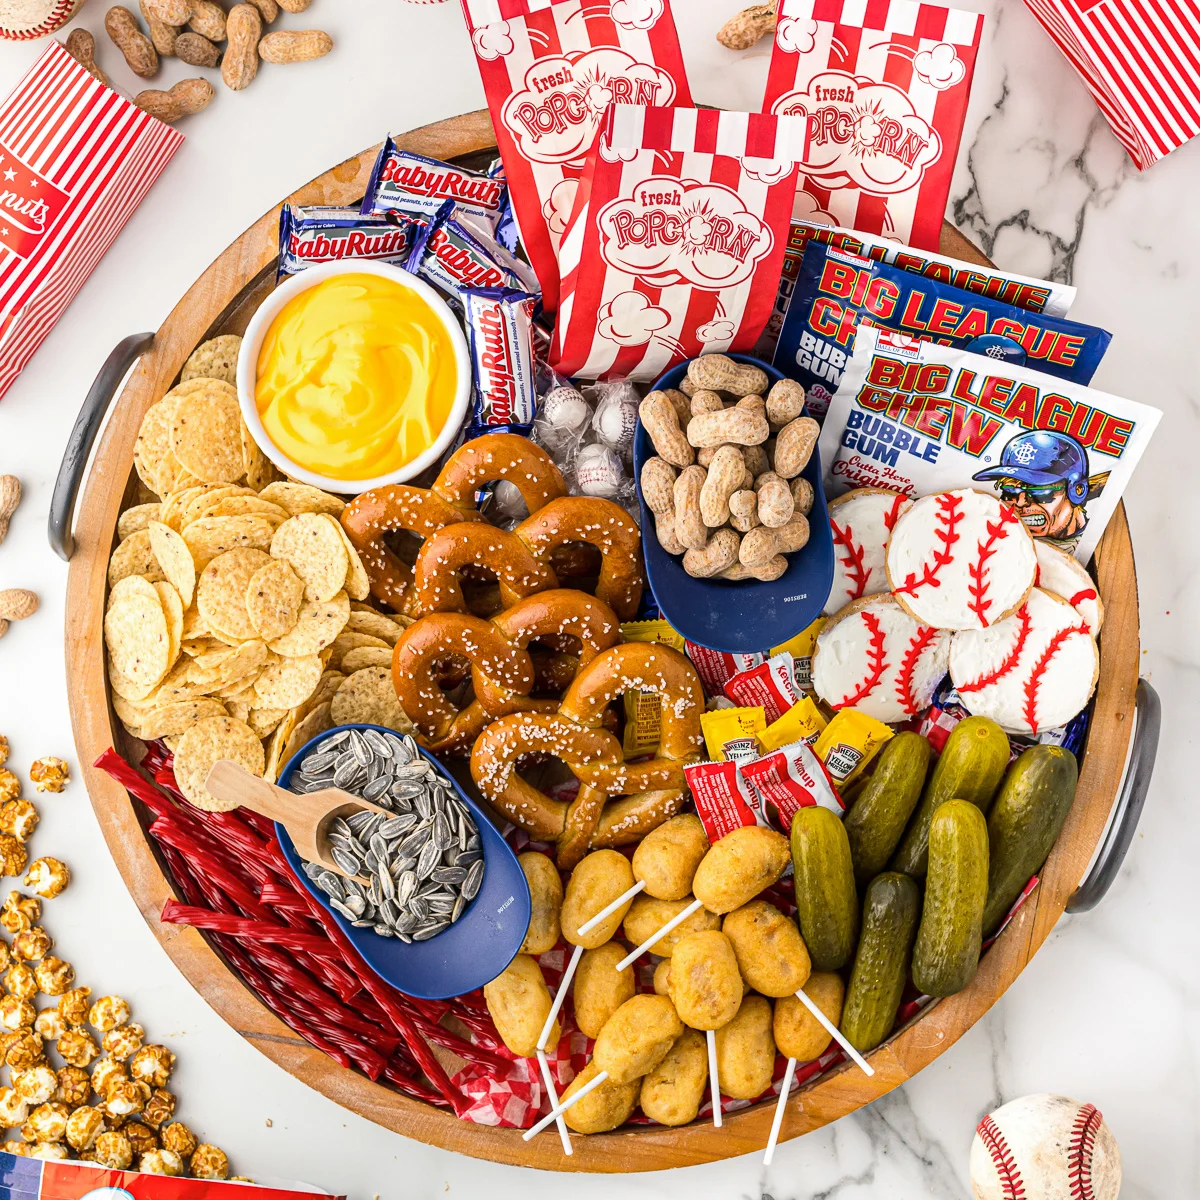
356 377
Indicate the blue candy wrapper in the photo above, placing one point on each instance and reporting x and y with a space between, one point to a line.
838 291
499 326
310 235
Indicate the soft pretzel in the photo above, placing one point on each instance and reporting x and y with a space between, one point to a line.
649 792
521 559
451 499
502 670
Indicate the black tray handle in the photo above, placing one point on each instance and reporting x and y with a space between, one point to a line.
1128 809
83 436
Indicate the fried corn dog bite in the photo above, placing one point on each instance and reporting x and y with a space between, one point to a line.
771 954
705 984
672 1092
599 879
667 857
519 1002
636 1038
746 1050
799 1034
647 915
546 897
600 989
604 1107
739 866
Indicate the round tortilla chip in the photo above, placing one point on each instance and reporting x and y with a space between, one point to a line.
169 719
289 682
221 592
366 656
299 498
312 544
228 668
134 556
264 721
174 559
368 697
357 584
200 500
210 536
137 637
155 460
311 725
207 742
374 623
317 626
239 506
137 517
174 505
273 599
173 610
346 641
214 359
206 433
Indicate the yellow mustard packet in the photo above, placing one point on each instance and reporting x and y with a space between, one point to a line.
848 743
732 734
643 710
801 649
802 722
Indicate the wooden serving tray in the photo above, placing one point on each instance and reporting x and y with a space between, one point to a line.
221 301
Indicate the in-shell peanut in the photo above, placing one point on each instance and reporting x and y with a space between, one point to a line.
188 96
803 495
720 552
81 46
196 50
745 424
794 446
169 12
689 523
743 510
681 403
760 545
726 474
268 8
208 20
243 29
164 33
768 572
719 373
658 486
785 402
749 27
664 527
122 27
704 402
775 504
294 45
294 6
661 420
756 460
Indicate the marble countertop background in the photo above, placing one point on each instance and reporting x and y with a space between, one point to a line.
1109 1011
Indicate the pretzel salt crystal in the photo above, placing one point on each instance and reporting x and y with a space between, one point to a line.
503 672
451 499
617 803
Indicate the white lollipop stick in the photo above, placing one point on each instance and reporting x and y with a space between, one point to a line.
560 996
548 1080
654 938
779 1107
714 1083
834 1031
558 1110
608 910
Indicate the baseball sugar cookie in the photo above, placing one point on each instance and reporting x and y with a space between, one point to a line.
873 656
960 560
1045 1148
1030 672
1065 576
861 522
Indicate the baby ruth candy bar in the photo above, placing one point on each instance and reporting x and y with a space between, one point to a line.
499 322
311 235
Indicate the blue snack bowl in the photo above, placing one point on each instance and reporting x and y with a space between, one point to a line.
749 615
475 949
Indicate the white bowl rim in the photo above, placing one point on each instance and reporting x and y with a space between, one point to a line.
260 323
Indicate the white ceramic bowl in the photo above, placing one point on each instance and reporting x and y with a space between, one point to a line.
260 323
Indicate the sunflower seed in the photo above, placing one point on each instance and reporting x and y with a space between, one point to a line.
314 764
345 860
424 932
395 827
449 874
406 886
374 788
470 887
330 884
356 904
359 748
427 860
459 905
342 909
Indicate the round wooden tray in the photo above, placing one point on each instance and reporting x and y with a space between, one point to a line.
221 302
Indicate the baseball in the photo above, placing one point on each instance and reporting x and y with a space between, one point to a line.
598 471
24 19
1045 1148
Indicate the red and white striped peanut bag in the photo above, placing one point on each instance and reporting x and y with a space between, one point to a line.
76 159
677 239
550 68
883 86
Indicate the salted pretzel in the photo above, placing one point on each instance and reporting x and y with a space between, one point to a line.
521 560
502 670
618 802
451 500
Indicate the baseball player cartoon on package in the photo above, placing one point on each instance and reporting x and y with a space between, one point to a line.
917 418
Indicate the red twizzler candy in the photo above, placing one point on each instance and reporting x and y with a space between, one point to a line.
789 779
722 798
550 68
676 242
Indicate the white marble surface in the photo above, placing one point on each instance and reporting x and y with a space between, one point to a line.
1109 1011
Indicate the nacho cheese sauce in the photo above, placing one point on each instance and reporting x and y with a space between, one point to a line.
356 377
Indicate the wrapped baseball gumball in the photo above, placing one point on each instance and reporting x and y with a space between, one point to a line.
599 472
616 418
562 420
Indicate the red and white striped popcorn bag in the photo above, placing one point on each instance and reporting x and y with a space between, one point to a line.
550 68
676 243
1141 61
883 86
76 159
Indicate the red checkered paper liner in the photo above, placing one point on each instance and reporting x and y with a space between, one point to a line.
550 68
75 161
1141 61
676 243
883 86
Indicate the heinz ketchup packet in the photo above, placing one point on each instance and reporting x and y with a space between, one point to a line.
919 418
550 68
676 241
883 88
838 291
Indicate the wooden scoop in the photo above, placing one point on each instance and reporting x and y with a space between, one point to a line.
306 817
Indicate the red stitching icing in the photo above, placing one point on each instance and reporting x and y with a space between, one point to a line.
916 647
1010 659
1079 1156
876 660
1011 1184
853 560
1079 597
949 516
1034 682
979 604
890 517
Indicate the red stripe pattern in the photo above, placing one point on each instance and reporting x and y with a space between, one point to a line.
76 158
1141 61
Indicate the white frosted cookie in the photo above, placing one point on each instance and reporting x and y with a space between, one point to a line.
875 657
1030 672
861 522
1065 576
960 560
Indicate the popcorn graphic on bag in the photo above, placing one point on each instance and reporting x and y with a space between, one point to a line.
636 14
493 41
940 67
631 320
797 35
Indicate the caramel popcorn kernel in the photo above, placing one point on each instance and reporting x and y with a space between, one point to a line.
179 1138
20 912
37 1085
108 1012
141 1137
50 774
21 981
3 749
13 856
73 1005
10 785
74 1086
114 1151
16 1013
152 1064
54 976
160 1162
159 1108
210 1162
50 1151
19 818
124 1041
21 1149
47 1123
14 1110
47 876
77 1048
50 1024
126 1098
27 1051
84 1126
32 944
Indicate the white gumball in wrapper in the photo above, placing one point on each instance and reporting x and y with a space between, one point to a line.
562 417
509 502
616 418
598 471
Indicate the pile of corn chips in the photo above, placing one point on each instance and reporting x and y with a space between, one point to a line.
236 624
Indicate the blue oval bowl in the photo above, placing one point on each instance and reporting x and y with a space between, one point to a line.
475 949
749 615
